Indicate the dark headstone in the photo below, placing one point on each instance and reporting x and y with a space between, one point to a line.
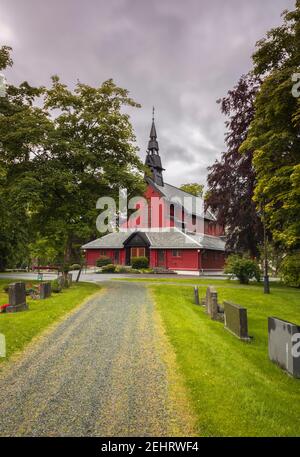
45 290
70 279
17 297
236 320
196 295
284 347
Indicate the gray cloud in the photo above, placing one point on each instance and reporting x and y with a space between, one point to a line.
179 56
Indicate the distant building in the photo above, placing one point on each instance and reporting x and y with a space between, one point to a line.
168 238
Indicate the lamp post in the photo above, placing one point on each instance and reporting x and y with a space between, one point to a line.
266 265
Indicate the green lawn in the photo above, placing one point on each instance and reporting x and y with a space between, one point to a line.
234 387
20 328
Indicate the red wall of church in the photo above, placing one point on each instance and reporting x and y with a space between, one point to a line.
160 217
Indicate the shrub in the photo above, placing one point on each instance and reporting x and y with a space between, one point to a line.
75 266
55 287
139 262
122 269
243 268
103 260
290 270
110 268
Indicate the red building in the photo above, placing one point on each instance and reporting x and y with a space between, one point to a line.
174 233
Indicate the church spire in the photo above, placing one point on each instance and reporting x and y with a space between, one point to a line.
153 160
153 144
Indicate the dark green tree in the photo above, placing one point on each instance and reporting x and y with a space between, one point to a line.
274 133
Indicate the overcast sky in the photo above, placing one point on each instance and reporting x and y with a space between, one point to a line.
179 55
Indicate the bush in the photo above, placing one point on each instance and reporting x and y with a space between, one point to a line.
75 266
290 270
55 287
122 269
110 268
103 260
243 268
139 263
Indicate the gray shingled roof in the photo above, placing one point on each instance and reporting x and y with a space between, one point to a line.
112 240
174 239
175 195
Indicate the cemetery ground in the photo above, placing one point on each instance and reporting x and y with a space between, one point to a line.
20 328
142 358
234 388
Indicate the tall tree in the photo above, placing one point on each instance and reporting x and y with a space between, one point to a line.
61 154
231 179
193 189
274 133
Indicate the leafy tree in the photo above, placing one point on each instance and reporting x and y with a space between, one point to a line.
274 131
290 269
193 189
15 118
60 151
231 180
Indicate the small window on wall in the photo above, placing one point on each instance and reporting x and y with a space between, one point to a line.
102 252
176 253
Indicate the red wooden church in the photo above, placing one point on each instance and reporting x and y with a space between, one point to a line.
177 234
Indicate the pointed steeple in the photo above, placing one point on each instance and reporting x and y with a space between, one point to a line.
153 144
153 160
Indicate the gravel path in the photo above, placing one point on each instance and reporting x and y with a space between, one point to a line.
98 373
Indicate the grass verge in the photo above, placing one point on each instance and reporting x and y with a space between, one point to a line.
20 328
235 389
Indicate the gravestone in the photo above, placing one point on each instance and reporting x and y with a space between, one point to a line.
61 281
212 302
236 320
45 290
70 279
17 297
284 345
196 295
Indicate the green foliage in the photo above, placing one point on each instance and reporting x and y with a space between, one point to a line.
55 286
60 151
110 268
193 189
123 269
103 260
290 269
243 268
75 266
139 262
274 131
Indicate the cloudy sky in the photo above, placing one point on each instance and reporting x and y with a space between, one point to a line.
179 55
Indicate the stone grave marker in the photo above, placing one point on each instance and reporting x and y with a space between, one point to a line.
284 345
212 302
45 290
61 281
236 320
70 279
17 297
